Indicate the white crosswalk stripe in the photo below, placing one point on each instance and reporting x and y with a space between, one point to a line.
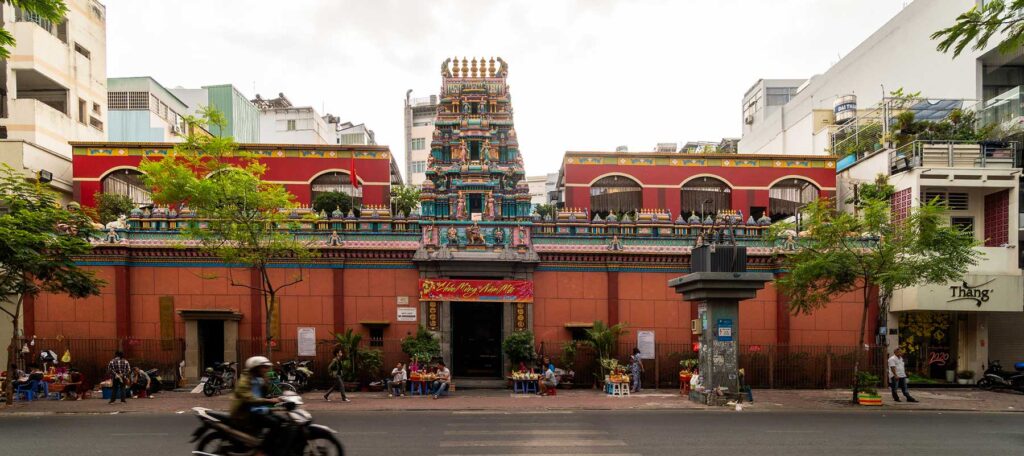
529 438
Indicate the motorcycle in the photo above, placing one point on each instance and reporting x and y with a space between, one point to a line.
995 377
217 437
297 373
219 377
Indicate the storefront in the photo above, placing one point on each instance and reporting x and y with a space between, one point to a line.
959 326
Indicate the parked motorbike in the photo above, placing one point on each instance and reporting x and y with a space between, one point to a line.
995 377
217 436
297 373
219 377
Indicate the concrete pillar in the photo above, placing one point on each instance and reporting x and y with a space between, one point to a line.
231 341
192 349
719 344
445 332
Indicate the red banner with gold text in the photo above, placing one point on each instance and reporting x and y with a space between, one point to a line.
476 290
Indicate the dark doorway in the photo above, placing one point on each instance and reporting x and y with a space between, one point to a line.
211 341
475 202
476 339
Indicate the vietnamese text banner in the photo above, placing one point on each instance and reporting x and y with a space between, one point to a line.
476 290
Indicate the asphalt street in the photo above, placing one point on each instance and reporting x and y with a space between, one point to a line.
577 433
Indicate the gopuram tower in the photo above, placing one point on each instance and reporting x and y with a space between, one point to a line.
475 171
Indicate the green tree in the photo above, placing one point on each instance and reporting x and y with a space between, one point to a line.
544 210
109 206
348 342
980 23
848 252
404 199
53 11
38 243
327 202
244 217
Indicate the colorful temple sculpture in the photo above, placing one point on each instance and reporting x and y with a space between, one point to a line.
473 265
475 170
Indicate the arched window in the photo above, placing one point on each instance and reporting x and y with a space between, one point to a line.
705 196
336 182
615 194
789 195
128 182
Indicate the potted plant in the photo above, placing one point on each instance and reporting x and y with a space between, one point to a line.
568 362
518 347
370 364
421 347
867 394
964 377
348 342
686 369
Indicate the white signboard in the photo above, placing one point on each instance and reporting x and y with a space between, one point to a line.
402 300
645 342
406 314
307 341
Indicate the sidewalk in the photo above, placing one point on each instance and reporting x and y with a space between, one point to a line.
566 400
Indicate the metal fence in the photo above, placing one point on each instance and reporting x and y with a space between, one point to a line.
90 356
765 366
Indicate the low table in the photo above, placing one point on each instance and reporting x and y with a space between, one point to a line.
525 386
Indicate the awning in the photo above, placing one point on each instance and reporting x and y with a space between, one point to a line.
578 325
375 323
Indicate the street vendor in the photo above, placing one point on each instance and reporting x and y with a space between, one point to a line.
549 380
444 376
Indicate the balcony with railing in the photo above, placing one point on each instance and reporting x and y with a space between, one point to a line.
954 154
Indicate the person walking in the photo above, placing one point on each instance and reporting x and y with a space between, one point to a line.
636 368
118 369
336 370
898 376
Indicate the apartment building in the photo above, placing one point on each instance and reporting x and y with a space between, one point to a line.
143 110
420 113
242 117
53 89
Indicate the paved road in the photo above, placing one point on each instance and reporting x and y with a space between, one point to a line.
578 433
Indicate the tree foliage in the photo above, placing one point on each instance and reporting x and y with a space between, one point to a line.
109 206
243 214
848 252
328 202
404 199
544 210
38 243
518 346
423 346
53 11
976 26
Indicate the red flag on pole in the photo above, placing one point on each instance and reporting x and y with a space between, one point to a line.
352 171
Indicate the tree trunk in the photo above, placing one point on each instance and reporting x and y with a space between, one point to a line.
860 339
12 352
268 297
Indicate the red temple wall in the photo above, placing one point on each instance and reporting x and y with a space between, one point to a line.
645 302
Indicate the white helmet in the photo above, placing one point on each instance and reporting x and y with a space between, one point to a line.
257 361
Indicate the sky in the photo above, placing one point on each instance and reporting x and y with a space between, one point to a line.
584 74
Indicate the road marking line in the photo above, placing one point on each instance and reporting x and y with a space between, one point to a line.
793 431
141 434
527 432
533 443
499 412
549 454
490 423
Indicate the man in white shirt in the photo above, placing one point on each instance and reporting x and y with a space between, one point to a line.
396 385
898 376
443 377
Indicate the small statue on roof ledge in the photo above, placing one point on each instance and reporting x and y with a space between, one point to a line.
615 244
335 240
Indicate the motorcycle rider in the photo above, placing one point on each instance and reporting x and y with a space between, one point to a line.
250 408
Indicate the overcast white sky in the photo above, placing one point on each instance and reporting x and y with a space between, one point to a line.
585 74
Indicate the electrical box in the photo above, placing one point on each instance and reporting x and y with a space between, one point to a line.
696 327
